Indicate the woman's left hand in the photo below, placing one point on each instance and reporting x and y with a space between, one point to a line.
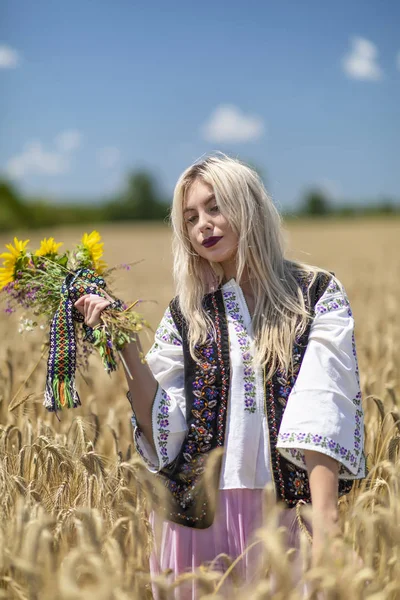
91 307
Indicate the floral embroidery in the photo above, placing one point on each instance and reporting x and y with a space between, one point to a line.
333 287
166 332
331 304
166 335
353 343
343 453
168 319
335 298
137 435
206 423
249 376
163 424
297 481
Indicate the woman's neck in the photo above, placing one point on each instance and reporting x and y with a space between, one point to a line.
230 272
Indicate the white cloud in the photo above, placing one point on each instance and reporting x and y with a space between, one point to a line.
229 124
68 140
9 58
361 61
398 60
35 160
108 157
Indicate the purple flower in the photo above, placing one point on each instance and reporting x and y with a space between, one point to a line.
332 444
248 387
343 451
164 423
317 439
164 410
208 415
300 436
163 437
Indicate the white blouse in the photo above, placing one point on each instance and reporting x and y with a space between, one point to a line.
323 411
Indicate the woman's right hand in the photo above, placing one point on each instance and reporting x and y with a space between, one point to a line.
91 306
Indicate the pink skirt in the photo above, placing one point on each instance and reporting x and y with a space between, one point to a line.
182 549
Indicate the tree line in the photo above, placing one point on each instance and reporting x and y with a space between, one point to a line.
141 200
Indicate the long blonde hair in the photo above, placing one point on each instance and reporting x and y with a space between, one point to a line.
280 312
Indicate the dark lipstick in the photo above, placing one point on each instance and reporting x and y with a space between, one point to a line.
211 241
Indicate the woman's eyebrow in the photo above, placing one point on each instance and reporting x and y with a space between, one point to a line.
207 201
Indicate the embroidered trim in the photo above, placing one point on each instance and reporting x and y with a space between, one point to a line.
315 440
249 376
163 424
137 435
224 379
167 332
208 388
291 482
331 304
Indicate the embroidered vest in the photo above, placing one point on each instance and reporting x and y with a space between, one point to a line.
192 495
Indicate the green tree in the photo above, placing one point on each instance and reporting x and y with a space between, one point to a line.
14 213
315 204
140 200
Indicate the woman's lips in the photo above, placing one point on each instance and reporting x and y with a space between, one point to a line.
211 241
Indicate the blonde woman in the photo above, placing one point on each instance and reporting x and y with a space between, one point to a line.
255 354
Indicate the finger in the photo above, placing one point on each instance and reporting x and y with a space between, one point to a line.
93 310
80 302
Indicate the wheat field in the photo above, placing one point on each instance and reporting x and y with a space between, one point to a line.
74 496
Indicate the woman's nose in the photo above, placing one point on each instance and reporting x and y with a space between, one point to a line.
204 222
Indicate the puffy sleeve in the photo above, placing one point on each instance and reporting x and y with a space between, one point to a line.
324 411
165 359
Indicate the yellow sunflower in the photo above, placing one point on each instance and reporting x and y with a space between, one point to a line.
48 246
94 246
10 259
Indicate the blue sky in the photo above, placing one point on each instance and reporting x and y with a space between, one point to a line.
307 91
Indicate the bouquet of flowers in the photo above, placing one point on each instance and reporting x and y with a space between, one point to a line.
47 284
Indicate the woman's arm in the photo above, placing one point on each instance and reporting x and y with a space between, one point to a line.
323 477
143 386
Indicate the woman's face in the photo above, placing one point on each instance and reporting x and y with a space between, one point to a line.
210 234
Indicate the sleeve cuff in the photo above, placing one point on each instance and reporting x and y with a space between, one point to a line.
169 430
292 445
326 422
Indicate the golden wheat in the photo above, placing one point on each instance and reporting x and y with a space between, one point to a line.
74 495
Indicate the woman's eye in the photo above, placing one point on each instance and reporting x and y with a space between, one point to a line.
191 220
215 208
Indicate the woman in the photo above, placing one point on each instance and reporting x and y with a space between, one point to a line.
255 354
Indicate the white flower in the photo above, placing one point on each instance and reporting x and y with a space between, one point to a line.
26 325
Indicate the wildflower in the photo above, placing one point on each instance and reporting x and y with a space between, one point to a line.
11 258
26 325
94 246
48 247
